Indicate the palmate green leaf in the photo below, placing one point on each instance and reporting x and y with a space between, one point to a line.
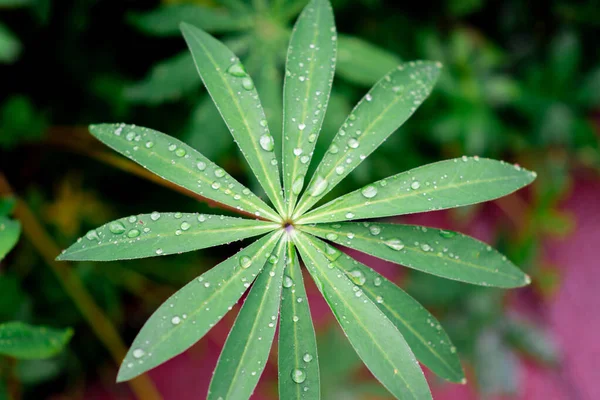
177 162
445 184
10 231
24 341
191 312
420 329
235 96
165 20
439 252
157 234
387 105
298 361
361 62
246 350
309 73
374 337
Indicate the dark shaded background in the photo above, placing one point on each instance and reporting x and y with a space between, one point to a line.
521 83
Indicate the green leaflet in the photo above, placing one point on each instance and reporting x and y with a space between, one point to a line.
362 62
247 347
387 105
309 73
10 46
445 184
179 163
234 94
29 342
191 312
420 329
443 253
376 340
298 361
9 235
165 20
156 234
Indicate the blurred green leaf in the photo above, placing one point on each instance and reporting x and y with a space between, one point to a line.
29 342
9 235
165 20
532 340
361 62
31 372
7 204
497 368
10 46
19 121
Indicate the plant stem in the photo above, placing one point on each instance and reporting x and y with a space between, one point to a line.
102 326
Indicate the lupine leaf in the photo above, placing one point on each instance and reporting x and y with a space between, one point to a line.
439 252
445 184
420 329
156 234
387 105
177 162
362 62
191 312
376 340
309 67
9 235
234 94
298 360
29 342
246 350
165 20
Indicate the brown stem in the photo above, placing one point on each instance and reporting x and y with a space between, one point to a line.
101 325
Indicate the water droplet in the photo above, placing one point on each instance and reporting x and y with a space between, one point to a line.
318 187
297 151
245 261
177 215
358 277
263 122
353 143
307 357
369 191
273 259
349 215
237 70
368 97
155 216
298 184
247 83
298 375
312 137
133 233
339 170
331 236
377 281
201 218
332 253
172 147
266 142
219 172
180 152
425 247
394 244
447 234
379 299
415 185
375 230
116 227
175 320
185 226
149 145
138 353
159 251
201 165
215 185
301 127
287 282
304 159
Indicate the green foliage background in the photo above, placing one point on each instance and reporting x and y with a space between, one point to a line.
521 82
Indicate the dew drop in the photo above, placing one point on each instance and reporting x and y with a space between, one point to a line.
138 353
155 216
298 375
247 83
201 165
447 234
377 281
159 251
237 70
133 233
245 262
331 236
307 357
358 277
149 145
116 227
219 172
374 230
369 191
175 320
297 185
415 185
297 151
349 215
180 152
287 282
266 142
394 244
318 187
353 143
185 226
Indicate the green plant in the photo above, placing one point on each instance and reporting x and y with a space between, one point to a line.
383 323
